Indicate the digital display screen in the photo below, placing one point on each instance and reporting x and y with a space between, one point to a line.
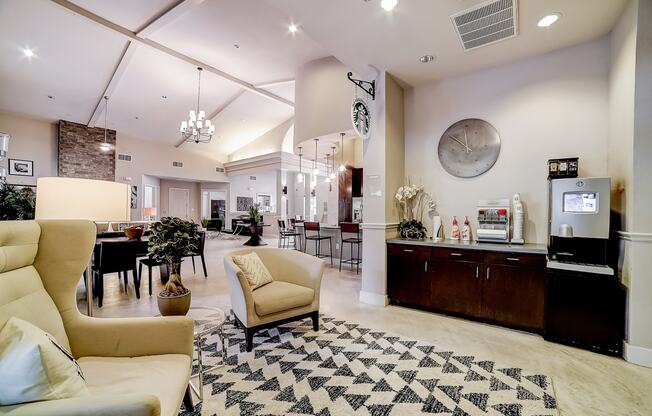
586 202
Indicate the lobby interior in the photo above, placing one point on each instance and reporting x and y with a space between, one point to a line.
330 193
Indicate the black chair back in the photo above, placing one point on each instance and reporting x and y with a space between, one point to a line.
281 225
200 246
117 256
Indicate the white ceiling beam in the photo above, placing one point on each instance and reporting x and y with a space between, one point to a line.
154 24
217 112
161 48
275 83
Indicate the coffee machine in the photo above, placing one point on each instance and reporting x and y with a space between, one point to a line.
579 220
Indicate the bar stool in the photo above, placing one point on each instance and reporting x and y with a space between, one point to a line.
351 228
284 235
317 238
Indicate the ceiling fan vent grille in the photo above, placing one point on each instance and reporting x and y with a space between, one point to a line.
487 23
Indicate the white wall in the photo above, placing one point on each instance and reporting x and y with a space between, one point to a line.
31 139
553 105
242 185
155 159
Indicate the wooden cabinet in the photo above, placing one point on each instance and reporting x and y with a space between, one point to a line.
499 287
408 275
455 287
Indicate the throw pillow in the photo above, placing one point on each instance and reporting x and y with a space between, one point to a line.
253 269
34 366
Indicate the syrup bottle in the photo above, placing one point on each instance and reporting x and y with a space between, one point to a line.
466 230
455 230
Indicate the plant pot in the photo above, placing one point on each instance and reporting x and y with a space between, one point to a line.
174 305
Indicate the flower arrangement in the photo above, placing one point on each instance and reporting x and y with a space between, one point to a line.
412 201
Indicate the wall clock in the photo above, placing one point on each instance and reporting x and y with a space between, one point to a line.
469 148
361 118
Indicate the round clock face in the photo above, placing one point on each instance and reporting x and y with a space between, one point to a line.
361 118
469 148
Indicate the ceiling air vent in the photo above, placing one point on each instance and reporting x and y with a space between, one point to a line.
177 164
219 169
486 23
124 157
252 178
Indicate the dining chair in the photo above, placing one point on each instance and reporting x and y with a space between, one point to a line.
284 235
199 252
116 257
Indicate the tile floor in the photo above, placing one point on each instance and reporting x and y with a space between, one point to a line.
585 383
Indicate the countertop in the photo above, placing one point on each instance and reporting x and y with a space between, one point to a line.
474 245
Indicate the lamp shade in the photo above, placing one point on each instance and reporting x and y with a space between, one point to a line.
149 212
82 199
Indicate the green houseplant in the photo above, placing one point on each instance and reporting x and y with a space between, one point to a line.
254 214
16 204
170 240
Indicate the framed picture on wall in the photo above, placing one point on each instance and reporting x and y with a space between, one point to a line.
243 203
19 167
134 197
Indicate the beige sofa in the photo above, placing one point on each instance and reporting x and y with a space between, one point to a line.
132 366
294 293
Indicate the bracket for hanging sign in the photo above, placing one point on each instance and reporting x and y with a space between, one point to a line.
369 89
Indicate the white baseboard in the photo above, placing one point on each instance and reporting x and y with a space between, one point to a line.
373 298
636 355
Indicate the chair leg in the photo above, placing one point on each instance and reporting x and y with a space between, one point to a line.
187 400
124 279
357 264
140 271
249 339
203 265
100 290
330 245
315 320
193 265
149 277
341 254
136 282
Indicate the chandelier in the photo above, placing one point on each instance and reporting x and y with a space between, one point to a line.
197 129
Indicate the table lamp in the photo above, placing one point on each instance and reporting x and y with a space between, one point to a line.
60 198
149 213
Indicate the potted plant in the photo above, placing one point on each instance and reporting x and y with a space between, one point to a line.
410 198
254 214
170 240
204 222
15 203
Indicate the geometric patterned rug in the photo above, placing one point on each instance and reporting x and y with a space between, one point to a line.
345 369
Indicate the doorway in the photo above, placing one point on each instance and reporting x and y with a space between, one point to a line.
179 203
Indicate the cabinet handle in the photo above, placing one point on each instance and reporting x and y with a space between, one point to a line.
408 251
477 271
456 254
425 267
513 258
488 268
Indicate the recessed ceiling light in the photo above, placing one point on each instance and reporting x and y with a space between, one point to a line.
293 28
137 118
549 20
28 52
51 97
164 96
388 4
426 59
235 45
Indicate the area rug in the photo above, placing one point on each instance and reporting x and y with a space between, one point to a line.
346 369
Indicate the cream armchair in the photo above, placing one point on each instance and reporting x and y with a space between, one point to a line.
132 366
294 293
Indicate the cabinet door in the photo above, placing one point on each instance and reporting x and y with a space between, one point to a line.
514 296
407 275
455 286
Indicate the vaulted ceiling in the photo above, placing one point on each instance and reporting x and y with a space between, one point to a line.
143 55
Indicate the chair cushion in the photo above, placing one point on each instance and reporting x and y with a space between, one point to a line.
165 376
280 296
253 269
35 367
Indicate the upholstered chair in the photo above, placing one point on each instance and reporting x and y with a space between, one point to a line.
293 295
132 366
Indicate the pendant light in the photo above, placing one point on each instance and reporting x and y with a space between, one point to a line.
197 129
332 174
105 147
342 168
315 171
300 175
328 168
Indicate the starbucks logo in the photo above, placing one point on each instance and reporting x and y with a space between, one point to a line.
361 118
